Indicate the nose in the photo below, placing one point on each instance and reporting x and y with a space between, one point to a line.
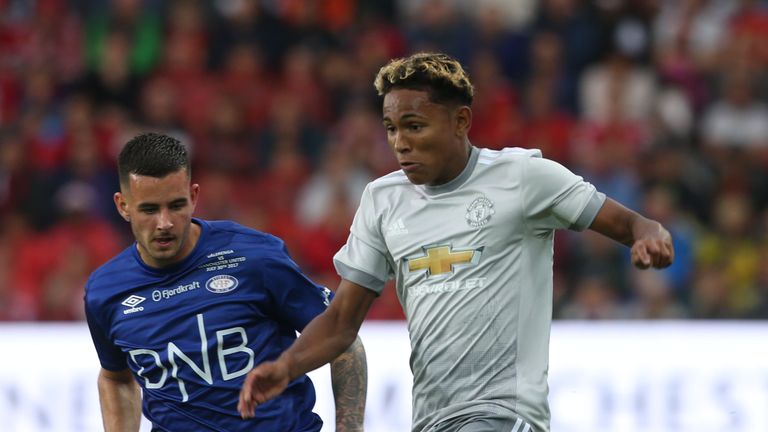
164 222
400 143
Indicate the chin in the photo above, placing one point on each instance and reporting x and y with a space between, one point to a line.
417 180
165 255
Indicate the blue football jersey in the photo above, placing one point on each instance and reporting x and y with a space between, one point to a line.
190 332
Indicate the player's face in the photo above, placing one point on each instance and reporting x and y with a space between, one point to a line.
429 139
160 213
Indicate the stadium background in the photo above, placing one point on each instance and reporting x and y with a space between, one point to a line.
662 104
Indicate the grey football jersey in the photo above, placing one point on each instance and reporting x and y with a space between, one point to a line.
472 261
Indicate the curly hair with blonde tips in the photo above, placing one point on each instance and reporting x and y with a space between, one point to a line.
441 76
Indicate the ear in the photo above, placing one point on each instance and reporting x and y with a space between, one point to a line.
122 206
194 192
463 118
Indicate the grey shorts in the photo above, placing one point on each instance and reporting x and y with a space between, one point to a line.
491 424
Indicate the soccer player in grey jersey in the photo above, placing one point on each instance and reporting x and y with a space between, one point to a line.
467 234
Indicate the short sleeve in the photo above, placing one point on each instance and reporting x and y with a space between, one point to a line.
556 198
298 300
110 356
363 259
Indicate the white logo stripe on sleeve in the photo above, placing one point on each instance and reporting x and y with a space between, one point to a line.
520 422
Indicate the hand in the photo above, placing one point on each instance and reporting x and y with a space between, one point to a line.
263 383
654 250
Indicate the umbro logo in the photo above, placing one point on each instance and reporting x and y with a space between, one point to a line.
397 228
132 303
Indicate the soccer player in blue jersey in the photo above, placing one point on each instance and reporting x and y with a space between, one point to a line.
193 305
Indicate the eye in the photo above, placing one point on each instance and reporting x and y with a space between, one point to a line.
390 129
415 127
148 210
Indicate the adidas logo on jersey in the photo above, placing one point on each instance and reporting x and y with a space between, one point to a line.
397 228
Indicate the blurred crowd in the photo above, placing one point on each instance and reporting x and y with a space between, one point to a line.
662 104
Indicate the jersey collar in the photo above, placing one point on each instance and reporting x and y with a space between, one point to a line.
459 180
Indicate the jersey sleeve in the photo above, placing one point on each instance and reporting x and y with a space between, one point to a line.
555 198
363 259
110 356
298 300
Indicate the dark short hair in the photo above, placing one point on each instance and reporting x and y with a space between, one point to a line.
153 155
441 76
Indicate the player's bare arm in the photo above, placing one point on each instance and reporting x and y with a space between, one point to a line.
322 340
120 400
651 243
349 380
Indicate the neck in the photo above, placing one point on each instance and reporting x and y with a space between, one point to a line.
191 241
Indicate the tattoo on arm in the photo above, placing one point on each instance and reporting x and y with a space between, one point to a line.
349 379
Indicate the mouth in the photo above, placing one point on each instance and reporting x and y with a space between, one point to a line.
164 241
409 166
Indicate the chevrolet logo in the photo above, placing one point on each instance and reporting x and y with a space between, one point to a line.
440 259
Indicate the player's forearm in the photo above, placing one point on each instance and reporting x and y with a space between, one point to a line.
622 224
349 380
120 404
331 332
324 339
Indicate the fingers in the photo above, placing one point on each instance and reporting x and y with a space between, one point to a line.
246 406
640 256
656 253
261 384
670 251
251 394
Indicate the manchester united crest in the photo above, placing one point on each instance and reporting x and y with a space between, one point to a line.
479 212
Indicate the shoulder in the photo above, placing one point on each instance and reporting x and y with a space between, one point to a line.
230 228
508 165
507 155
244 238
528 162
121 267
